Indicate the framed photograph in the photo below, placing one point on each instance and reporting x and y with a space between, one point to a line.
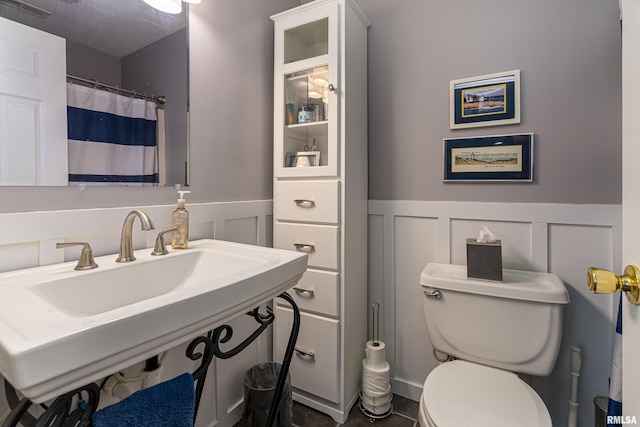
489 158
490 100
302 159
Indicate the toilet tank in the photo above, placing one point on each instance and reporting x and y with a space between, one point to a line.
515 324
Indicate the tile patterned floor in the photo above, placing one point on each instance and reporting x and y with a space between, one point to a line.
405 414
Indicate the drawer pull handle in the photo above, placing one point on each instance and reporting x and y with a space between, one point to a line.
304 203
303 247
304 292
308 354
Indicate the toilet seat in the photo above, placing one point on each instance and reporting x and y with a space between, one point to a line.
461 394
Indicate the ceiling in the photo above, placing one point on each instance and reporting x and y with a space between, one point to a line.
115 27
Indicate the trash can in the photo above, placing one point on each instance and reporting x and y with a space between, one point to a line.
601 403
259 390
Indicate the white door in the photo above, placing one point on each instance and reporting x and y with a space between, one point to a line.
33 106
631 200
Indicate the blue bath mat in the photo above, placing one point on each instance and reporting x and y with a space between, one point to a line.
168 404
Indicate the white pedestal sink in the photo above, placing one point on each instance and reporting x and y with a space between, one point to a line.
61 328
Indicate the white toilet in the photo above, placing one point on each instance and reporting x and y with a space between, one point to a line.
493 329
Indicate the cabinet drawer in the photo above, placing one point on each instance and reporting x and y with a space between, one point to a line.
310 201
317 291
320 242
315 372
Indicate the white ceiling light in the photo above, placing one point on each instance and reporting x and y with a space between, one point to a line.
168 6
192 1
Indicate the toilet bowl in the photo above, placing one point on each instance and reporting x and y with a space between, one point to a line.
460 393
494 330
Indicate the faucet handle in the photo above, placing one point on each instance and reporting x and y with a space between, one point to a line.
160 247
86 261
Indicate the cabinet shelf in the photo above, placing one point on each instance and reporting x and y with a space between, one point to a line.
306 125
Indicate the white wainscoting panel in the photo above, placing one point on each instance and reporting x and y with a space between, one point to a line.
563 239
415 244
28 240
403 237
589 320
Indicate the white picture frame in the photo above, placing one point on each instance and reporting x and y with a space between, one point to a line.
488 100
301 159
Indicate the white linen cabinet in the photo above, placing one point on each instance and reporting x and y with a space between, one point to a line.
320 196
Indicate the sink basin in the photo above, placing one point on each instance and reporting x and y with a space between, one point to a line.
61 328
106 290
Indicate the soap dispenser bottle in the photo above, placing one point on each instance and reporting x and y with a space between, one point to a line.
180 221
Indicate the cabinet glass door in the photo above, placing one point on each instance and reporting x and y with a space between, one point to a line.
306 118
306 94
306 41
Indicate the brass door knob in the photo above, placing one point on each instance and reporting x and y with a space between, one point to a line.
605 282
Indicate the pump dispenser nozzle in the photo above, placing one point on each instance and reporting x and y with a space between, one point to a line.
181 200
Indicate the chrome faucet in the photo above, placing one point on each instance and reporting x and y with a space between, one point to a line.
126 239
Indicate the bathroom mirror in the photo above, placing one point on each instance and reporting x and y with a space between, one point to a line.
129 48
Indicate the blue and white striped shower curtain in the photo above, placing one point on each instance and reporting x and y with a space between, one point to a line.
112 138
614 409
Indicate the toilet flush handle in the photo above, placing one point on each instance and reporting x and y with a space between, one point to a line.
433 294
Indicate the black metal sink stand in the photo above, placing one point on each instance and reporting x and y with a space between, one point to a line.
60 414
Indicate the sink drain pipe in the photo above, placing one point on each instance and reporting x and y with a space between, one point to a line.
152 372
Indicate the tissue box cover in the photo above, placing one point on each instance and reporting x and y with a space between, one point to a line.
484 260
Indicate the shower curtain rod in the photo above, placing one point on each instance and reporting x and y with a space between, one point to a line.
158 99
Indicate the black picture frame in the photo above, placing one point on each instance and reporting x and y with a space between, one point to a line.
489 158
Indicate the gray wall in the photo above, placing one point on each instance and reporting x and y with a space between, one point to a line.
569 56
232 102
568 53
82 61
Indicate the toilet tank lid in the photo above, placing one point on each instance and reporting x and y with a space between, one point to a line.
516 284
